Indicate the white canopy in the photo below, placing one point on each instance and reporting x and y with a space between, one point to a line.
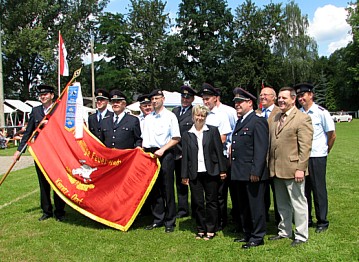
32 103
8 110
18 105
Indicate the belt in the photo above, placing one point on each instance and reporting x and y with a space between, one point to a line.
151 149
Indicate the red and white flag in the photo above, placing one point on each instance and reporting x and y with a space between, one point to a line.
64 67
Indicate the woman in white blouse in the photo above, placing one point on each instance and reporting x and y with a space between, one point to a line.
203 165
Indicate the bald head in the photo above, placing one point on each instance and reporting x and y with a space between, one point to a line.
267 97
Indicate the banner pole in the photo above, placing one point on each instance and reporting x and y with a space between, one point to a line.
37 130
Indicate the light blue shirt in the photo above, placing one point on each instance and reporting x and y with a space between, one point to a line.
322 124
103 114
159 129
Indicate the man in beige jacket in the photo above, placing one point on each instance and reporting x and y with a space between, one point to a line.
291 134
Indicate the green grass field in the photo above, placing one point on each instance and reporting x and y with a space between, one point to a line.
24 238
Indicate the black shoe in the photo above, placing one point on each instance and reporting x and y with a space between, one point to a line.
244 239
152 226
169 229
252 244
297 242
320 229
209 237
60 218
182 215
277 237
44 217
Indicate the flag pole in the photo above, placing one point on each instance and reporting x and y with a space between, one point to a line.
92 72
58 71
37 130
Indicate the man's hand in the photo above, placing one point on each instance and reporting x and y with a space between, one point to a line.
159 153
253 178
299 176
223 176
185 181
16 156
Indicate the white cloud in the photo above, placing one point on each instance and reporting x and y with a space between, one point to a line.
330 29
339 44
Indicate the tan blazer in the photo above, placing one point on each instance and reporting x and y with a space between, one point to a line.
290 147
274 112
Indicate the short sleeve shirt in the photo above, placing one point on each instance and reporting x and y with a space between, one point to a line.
322 124
159 129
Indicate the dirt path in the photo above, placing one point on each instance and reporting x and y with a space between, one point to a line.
6 161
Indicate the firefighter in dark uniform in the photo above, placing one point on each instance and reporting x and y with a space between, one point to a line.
94 120
46 95
122 131
184 116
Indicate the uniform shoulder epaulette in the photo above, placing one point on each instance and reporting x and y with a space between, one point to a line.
321 108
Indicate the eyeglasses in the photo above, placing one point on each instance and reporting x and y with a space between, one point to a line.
266 95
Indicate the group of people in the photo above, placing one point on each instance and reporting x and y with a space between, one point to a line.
214 148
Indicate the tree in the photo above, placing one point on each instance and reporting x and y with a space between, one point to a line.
205 29
252 61
147 23
113 42
31 37
297 49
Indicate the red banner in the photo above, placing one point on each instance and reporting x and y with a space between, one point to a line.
106 185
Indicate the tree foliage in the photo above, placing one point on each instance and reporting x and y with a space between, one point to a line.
142 50
30 39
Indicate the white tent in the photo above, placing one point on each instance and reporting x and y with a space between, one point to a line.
32 103
19 106
8 111
172 99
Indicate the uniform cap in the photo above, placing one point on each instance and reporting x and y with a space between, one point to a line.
117 95
102 93
303 87
143 99
44 89
208 89
242 95
156 92
187 91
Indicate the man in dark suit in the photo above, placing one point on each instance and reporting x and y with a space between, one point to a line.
46 95
122 131
94 120
184 116
249 168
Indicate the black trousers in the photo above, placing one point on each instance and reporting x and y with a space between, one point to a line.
162 194
204 191
45 196
223 198
316 183
182 190
252 209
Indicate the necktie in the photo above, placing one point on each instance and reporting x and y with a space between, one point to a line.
99 118
182 111
281 121
116 120
266 113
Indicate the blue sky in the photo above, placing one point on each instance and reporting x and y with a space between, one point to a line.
327 19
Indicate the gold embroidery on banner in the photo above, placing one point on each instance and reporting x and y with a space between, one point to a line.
79 185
